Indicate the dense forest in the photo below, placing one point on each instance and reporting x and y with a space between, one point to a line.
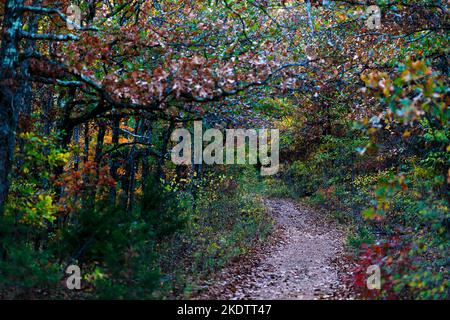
91 92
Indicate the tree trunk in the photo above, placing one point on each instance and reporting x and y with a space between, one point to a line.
113 159
165 144
12 24
146 131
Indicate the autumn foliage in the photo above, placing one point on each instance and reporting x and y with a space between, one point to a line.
86 116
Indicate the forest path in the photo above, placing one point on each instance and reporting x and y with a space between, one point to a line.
304 259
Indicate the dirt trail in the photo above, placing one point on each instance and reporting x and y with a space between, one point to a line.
303 261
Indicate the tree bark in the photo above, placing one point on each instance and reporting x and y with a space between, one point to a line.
9 112
113 159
